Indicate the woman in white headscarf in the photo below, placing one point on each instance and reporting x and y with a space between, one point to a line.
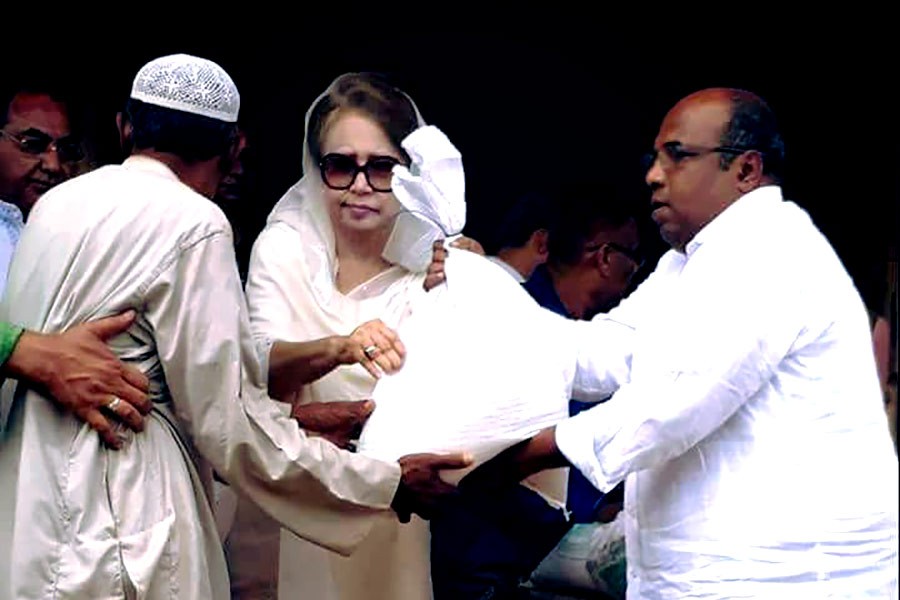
329 259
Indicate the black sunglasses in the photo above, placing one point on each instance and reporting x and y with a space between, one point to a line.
339 171
35 142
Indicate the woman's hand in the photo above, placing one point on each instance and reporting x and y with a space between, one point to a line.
376 347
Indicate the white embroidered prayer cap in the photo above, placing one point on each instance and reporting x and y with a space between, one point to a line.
189 84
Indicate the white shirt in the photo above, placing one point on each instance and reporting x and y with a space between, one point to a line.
507 267
747 418
81 521
11 225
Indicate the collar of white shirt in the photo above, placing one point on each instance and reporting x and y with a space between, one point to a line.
506 267
737 215
150 165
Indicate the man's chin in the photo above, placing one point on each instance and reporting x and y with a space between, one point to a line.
671 236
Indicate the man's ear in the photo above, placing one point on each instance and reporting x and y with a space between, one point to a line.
125 134
539 241
601 260
750 171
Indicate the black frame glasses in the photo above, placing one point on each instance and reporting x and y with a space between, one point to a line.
36 142
339 171
676 152
632 255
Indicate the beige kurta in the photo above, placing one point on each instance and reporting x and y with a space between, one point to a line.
393 561
81 521
291 282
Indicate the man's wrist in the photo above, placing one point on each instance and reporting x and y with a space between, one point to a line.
29 358
9 337
342 350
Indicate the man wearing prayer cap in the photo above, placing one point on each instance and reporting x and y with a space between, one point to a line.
80 521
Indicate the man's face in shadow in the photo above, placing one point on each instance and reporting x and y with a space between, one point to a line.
37 149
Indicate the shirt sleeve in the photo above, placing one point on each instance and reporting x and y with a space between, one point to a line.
9 337
271 280
605 344
321 493
702 376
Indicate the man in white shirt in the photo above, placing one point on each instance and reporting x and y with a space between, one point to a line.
38 150
746 413
523 236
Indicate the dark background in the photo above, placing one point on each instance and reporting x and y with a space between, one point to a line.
540 106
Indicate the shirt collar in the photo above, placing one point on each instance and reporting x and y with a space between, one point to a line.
541 288
10 213
150 165
745 209
507 267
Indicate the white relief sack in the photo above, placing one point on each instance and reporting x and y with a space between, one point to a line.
486 367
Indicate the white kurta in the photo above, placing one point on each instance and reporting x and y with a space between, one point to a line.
393 562
748 419
81 521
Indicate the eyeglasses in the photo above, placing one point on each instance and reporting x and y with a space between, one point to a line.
632 255
339 171
673 153
37 142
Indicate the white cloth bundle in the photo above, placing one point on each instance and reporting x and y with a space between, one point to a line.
432 192
486 367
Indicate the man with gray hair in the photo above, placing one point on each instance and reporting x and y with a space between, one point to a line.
80 521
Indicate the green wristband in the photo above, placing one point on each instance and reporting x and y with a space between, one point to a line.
9 337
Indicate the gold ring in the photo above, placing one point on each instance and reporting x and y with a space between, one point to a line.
370 352
114 403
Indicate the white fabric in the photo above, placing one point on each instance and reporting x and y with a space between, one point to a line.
433 195
11 225
747 418
189 84
81 521
507 267
486 367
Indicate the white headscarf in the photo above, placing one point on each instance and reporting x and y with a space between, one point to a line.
291 286
432 190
